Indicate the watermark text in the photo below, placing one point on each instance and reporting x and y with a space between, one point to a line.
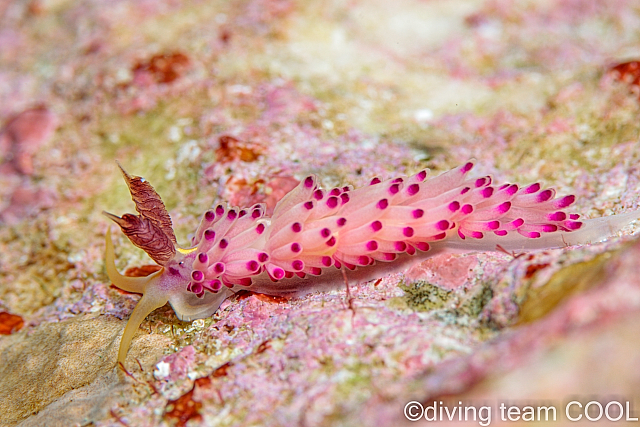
484 413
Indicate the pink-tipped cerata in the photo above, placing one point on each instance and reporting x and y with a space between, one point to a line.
314 229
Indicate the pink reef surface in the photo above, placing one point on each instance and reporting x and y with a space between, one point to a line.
217 101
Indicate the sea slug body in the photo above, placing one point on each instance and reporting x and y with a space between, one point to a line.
314 235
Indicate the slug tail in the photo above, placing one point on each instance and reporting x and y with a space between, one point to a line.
129 284
153 298
592 231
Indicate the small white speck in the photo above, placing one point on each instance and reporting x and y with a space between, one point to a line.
192 375
490 31
239 89
328 150
175 133
342 377
423 115
170 165
65 219
368 145
76 257
338 37
188 152
366 104
162 370
123 75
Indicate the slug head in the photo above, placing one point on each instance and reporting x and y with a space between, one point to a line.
151 231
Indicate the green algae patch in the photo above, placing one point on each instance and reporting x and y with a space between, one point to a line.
423 296
473 304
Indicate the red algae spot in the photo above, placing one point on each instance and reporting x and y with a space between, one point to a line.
231 149
533 268
243 193
36 8
629 73
10 323
224 35
446 271
476 20
23 136
203 382
161 68
270 298
222 371
183 409
265 345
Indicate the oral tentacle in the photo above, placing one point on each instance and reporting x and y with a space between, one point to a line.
129 284
152 298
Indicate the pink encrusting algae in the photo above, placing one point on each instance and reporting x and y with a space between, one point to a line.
315 235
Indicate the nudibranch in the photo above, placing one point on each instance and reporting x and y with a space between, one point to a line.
314 235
